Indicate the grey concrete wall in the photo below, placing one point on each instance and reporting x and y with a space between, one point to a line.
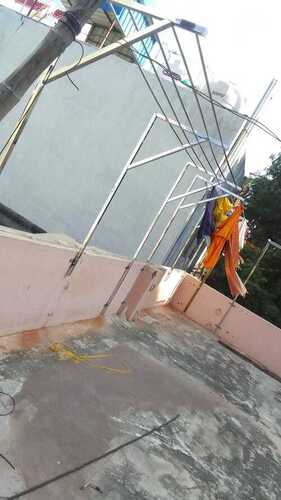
77 142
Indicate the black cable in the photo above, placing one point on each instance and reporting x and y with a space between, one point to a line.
7 461
76 64
10 400
78 468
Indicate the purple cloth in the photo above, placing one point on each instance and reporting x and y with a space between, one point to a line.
207 225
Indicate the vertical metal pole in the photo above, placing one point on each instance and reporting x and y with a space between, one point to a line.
213 107
193 258
247 126
22 121
107 35
203 281
110 197
143 241
173 216
194 230
266 247
156 218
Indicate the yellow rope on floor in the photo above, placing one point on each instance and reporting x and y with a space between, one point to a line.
64 353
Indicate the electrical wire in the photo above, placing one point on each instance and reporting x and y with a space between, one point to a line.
179 78
167 98
7 400
187 115
76 64
198 103
92 461
7 461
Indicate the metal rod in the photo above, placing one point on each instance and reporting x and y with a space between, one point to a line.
240 138
164 92
22 121
266 247
156 218
274 244
244 131
222 179
232 194
169 152
200 202
193 257
107 35
143 74
111 49
142 243
247 126
108 200
181 101
189 193
170 221
197 100
187 129
193 232
191 300
212 105
143 9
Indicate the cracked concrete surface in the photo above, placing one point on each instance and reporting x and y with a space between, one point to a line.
225 445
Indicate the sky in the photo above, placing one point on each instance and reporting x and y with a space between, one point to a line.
242 46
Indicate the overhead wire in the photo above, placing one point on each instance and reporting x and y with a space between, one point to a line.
76 64
186 113
243 116
197 99
167 98
213 106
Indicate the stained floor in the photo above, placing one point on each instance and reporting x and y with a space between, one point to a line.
226 443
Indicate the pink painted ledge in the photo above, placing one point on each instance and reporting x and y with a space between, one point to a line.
242 330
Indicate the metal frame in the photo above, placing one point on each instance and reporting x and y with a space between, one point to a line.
131 164
217 175
267 246
233 150
143 9
181 206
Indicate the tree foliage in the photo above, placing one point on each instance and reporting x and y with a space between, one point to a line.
264 215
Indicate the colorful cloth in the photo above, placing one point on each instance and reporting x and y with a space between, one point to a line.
243 231
207 225
226 237
222 210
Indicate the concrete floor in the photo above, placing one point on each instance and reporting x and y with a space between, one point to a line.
226 443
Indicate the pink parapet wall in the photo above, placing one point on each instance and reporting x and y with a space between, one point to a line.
35 292
244 331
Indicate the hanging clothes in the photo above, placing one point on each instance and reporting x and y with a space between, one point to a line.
222 210
226 237
207 225
243 231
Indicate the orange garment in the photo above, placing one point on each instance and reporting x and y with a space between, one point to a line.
226 237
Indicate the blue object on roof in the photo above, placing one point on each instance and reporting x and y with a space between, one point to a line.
127 26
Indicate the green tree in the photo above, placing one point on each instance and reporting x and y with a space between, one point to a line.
264 215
